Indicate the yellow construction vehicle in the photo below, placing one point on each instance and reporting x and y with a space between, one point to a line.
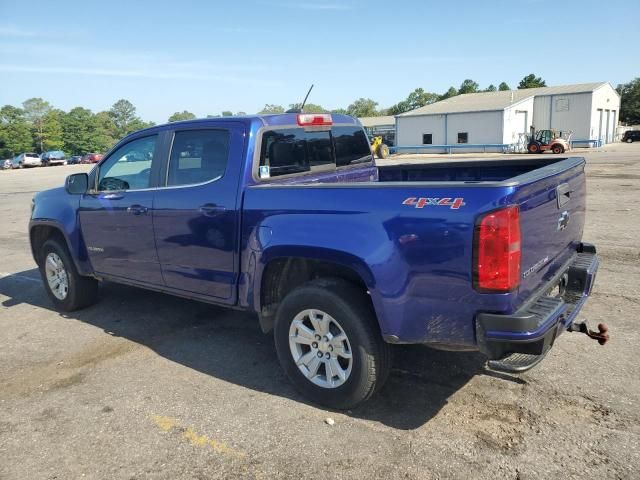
378 148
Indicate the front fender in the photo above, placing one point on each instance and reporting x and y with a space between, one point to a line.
58 210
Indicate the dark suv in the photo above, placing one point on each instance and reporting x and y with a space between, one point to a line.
631 136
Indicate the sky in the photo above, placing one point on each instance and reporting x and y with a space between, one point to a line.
238 55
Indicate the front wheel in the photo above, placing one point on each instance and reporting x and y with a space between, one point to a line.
533 148
629 140
329 344
67 289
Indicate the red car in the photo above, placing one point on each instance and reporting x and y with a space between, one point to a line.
91 158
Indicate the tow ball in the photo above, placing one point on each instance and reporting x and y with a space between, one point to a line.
602 335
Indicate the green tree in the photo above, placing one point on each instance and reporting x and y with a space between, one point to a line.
531 81
503 87
309 108
240 114
52 130
342 111
491 88
123 113
227 113
468 86
78 127
398 108
630 101
416 99
184 115
363 107
419 98
452 92
15 136
104 132
272 108
35 110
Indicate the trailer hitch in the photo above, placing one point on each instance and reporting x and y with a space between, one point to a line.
602 335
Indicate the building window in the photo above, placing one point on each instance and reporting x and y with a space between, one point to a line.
562 104
463 137
427 138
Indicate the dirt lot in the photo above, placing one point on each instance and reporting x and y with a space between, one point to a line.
143 385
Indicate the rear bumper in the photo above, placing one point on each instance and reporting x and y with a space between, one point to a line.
31 163
534 327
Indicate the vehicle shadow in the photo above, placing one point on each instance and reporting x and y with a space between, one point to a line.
229 345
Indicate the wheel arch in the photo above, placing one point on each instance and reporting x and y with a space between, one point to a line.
285 268
42 230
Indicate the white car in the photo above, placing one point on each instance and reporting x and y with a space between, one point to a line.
26 160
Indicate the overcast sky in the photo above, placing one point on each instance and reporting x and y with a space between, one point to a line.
209 56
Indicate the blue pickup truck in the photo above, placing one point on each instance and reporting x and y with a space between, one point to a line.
289 217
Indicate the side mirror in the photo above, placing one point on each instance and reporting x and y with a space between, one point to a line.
77 184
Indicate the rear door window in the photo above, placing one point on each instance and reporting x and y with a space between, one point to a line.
198 156
295 150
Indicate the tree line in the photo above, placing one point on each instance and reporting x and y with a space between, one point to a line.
39 127
366 107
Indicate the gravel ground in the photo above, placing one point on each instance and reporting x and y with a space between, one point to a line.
146 386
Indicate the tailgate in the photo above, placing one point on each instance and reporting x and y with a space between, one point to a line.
552 215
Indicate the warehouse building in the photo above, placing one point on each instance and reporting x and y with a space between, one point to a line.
497 120
384 126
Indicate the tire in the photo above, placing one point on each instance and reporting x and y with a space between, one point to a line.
533 148
557 149
80 292
383 151
629 140
347 309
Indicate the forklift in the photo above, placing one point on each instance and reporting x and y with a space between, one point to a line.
544 140
378 147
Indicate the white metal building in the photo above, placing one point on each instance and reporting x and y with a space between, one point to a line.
589 110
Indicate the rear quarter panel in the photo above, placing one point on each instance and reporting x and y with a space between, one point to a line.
416 262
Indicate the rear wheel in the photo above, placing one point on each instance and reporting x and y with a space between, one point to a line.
329 343
557 149
67 289
383 151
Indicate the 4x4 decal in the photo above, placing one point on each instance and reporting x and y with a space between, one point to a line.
453 203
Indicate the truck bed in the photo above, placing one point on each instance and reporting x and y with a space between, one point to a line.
466 170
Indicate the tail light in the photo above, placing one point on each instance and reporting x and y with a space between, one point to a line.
313 119
497 250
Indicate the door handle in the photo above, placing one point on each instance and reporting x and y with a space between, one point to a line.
112 196
211 209
137 209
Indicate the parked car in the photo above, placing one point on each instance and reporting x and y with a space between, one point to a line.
92 158
631 136
74 160
26 160
53 157
6 164
287 216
